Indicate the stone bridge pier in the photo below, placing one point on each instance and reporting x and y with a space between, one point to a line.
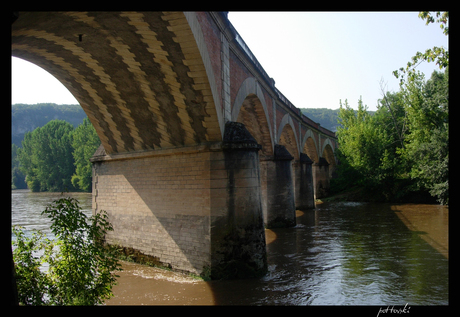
199 149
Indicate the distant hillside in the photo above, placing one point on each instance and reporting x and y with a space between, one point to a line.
326 117
25 117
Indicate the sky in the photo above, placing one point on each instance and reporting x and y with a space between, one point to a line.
315 58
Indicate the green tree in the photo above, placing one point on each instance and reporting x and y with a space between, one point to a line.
360 140
46 157
17 177
426 107
81 267
84 142
403 147
427 145
27 159
368 145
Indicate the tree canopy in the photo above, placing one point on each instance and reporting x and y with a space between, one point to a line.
55 157
403 147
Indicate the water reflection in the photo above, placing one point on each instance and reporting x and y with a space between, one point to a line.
338 254
430 222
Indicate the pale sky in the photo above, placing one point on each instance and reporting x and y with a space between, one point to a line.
315 58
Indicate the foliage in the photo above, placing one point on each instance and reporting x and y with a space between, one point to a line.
367 145
84 142
427 144
403 147
17 176
55 157
346 176
440 55
81 268
32 283
46 157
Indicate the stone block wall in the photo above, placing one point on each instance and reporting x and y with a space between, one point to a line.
158 205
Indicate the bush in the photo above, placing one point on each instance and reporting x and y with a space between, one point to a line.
81 267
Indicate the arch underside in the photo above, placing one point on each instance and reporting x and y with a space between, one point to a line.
328 154
310 150
139 77
252 115
287 138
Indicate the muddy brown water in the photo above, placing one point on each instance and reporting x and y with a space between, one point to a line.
341 253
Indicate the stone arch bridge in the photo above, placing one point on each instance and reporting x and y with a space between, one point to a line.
199 149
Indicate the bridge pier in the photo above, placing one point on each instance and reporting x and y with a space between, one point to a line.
237 230
280 190
304 198
321 172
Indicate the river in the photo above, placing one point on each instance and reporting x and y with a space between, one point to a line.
341 253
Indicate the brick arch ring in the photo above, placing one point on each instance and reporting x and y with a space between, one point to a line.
287 120
250 86
327 142
309 134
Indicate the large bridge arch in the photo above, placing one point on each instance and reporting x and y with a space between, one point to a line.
142 78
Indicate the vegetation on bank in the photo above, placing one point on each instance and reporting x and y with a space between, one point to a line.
402 151
81 267
55 157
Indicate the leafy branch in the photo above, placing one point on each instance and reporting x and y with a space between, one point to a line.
440 55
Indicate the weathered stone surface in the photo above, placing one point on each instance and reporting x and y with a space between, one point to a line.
280 190
237 234
237 137
305 197
305 159
281 153
322 177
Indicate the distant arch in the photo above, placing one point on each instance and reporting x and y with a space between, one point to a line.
309 146
287 136
328 154
331 146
